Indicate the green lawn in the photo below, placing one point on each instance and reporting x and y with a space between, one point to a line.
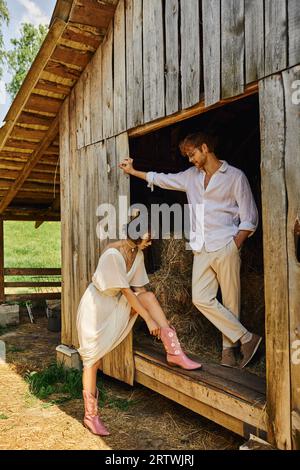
28 247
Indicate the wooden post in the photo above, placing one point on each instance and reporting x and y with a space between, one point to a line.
2 296
274 203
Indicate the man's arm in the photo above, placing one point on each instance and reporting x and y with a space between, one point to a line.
247 210
174 181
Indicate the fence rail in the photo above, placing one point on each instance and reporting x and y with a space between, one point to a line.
31 283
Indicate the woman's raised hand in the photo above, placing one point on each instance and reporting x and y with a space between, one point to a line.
127 165
153 327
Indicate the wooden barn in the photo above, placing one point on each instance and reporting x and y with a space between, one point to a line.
115 78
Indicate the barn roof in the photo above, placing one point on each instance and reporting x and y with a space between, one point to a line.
29 140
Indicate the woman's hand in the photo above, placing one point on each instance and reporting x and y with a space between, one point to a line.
127 165
153 327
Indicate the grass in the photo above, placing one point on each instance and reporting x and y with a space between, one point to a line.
3 416
28 247
60 385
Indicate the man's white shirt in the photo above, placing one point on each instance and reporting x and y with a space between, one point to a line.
218 212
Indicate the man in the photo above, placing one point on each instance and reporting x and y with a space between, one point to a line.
224 215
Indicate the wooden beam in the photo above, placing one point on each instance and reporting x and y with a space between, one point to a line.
2 297
212 397
49 44
25 297
209 412
53 208
30 215
32 161
200 108
32 271
62 10
32 284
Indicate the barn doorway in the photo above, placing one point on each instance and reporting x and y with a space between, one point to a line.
238 129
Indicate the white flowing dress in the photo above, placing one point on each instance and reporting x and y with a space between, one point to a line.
103 317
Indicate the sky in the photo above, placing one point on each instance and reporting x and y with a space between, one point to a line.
22 11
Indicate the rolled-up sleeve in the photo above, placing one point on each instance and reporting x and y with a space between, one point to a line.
174 181
247 208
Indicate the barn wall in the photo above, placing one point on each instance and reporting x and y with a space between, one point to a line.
280 165
160 58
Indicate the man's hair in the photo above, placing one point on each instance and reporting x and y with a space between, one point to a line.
197 140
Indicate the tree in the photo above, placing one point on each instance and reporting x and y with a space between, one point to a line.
23 53
4 18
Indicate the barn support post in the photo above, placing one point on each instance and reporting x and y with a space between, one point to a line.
274 215
2 294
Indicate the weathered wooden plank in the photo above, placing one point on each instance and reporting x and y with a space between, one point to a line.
78 35
213 374
292 177
32 271
221 401
172 56
233 47
254 40
83 198
275 36
73 262
93 203
190 53
96 97
102 185
34 157
87 99
200 108
112 178
32 284
79 105
274 207
122 151
70 56
294 32
93 13
119 70
153 59
211 18
37 296
62 70
43 103
209 412
107 85
134 63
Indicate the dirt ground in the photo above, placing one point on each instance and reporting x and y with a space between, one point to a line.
150 423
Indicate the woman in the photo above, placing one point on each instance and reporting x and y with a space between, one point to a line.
104 317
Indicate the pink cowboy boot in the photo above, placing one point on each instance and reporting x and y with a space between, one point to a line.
91 419
175 355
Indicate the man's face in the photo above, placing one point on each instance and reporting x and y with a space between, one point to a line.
195 155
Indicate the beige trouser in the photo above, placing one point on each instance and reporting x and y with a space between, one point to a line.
210 270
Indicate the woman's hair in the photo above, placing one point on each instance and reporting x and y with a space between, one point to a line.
136 234
197 140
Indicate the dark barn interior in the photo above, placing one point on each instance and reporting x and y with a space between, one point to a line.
236 126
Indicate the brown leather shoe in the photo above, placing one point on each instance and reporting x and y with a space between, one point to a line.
228 358
249 349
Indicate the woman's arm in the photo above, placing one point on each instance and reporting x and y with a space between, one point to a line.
134 302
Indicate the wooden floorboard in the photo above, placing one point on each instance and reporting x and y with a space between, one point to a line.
239 383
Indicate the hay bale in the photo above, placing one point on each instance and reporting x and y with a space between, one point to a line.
172 285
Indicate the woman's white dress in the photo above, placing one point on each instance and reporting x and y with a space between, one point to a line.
103 317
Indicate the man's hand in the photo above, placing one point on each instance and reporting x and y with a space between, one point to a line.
240 238
127 166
